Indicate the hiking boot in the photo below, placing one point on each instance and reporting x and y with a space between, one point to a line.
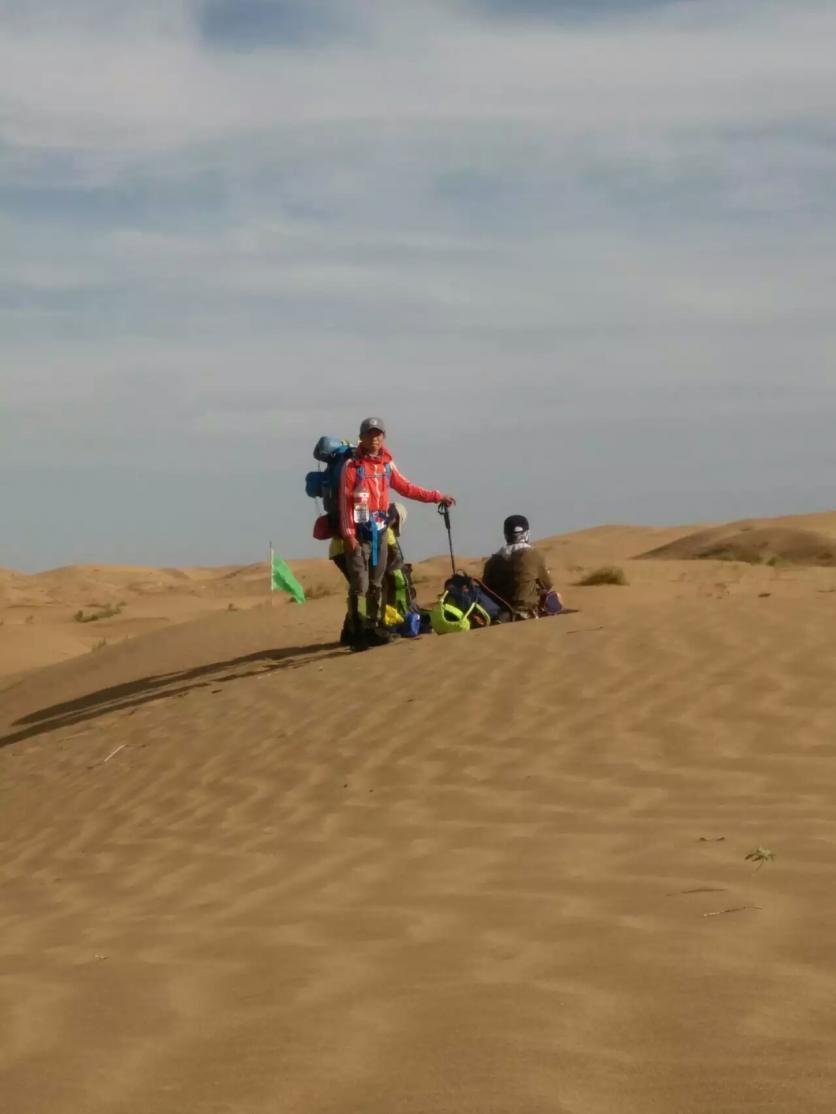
381 636
358 640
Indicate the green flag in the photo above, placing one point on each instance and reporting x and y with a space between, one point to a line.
283 580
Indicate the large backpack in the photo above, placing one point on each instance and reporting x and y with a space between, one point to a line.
464 605
325 485
400 587
404 596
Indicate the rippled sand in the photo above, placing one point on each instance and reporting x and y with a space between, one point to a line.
245 871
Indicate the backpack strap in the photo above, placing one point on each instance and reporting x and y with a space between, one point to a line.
360 472
463 613
359 477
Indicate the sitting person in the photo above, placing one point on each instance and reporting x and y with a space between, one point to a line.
517 575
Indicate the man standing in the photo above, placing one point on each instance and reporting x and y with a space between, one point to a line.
364 510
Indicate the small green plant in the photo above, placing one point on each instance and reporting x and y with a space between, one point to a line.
607 574
777 562
760 855
107 612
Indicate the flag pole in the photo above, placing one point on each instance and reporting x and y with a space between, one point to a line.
270 569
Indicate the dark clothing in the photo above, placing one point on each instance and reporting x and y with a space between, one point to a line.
366 579
519 578
362 578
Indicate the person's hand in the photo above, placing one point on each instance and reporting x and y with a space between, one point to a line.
351 543
447 501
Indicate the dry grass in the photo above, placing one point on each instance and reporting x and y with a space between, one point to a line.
319 591
606 574
745 557
106 612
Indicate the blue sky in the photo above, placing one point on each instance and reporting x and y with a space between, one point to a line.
580 256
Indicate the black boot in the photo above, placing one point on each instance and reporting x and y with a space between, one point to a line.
376 633
347 633
359 641
379 635
354 628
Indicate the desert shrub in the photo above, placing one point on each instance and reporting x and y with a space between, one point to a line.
107 612
607 574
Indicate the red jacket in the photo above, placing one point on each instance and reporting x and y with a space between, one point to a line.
374 481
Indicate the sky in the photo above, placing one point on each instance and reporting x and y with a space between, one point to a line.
579 256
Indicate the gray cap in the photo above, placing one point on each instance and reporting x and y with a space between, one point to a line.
368 424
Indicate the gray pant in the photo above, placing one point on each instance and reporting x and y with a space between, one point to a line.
366 579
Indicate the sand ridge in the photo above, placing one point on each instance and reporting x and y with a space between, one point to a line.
798 539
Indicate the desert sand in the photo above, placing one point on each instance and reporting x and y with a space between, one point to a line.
246 871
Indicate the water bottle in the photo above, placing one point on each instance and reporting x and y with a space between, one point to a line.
361 507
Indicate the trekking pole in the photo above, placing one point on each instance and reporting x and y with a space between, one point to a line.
444 511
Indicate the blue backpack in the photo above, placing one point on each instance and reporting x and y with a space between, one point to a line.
325 485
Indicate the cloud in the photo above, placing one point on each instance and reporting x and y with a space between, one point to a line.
120 94
226 226
568 10
265 24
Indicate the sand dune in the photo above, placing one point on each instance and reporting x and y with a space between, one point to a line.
800 540
245 871
40 613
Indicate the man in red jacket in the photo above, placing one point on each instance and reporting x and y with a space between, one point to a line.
364 509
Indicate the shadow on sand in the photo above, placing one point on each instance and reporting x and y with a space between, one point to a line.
165 686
